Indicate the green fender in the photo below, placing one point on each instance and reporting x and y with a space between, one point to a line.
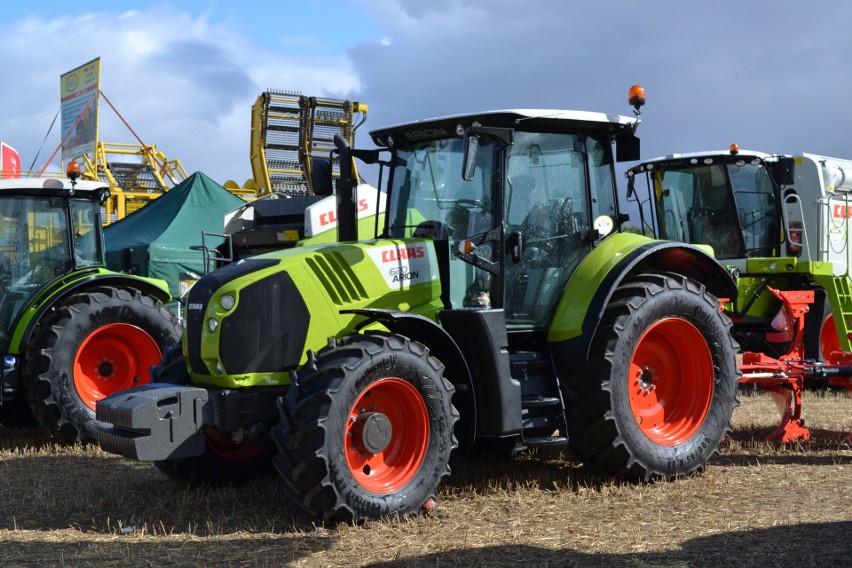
618 257
73 283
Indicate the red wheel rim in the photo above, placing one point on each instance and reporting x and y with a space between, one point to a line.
671 381
402 408
829 342
229 449
113 358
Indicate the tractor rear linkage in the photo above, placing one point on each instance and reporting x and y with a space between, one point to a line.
785 376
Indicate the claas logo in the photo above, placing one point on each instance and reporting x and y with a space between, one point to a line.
395 255
330 217
842 211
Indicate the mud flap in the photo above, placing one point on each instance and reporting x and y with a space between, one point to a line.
153 422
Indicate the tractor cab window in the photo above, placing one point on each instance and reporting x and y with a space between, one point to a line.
429 198
85 220
34 250
546 216
757 208
695 206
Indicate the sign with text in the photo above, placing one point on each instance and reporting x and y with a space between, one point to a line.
79 105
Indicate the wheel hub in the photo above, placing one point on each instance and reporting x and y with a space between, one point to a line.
105 369
373 432
646 380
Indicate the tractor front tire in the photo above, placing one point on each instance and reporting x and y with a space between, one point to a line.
224 461
366 430
91 345
656 399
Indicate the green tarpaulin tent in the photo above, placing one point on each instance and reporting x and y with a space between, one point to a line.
155 240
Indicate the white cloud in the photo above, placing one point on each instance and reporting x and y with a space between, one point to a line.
183 84
765 74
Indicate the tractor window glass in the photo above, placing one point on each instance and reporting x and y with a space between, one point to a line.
756 207
85 219
695 206
546 214
600 181
33 251
429 198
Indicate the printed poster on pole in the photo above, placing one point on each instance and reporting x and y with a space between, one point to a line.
79 90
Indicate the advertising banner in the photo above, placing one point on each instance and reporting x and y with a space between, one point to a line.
10 162
79 104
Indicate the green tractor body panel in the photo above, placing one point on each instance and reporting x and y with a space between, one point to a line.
331 279
617 258
586 283
33 308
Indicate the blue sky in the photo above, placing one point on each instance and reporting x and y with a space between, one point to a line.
770 75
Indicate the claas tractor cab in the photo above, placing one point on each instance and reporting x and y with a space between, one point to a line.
499 305
779 225
71 332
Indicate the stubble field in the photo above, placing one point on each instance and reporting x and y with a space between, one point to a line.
758 504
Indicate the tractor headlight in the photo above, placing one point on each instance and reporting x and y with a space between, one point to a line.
212 324
227 301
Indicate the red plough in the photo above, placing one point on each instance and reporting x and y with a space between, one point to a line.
785 376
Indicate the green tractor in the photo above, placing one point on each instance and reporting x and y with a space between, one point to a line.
72 332
500 305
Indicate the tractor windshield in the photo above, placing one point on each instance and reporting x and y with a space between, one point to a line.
729 206
36 248
429 198
757 207
695 206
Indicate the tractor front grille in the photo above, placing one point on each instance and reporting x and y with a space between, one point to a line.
265 333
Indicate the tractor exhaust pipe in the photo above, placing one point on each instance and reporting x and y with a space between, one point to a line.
347 218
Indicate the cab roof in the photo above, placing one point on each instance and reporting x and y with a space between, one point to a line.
50 185
522 119
700 158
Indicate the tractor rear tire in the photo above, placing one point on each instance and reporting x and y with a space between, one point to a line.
91 345
366 430
656 399
224 461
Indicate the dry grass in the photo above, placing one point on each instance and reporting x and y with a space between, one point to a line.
758 504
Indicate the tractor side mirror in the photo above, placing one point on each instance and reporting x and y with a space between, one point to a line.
627 148
784 170
471 149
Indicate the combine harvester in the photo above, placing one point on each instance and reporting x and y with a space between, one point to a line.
780 225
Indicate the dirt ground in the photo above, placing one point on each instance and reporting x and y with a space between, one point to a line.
758 504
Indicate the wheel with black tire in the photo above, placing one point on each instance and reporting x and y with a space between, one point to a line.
657 396
366 430
224 461
91 345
